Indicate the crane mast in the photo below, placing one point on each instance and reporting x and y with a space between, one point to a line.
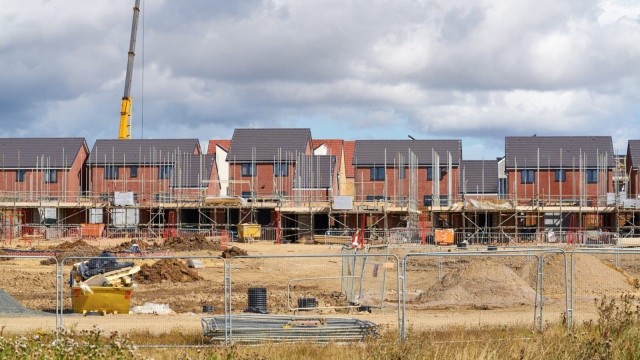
124 132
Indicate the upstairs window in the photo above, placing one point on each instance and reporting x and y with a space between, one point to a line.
402 172
280 169
592 176
133 171
527 176
560 175
165 172
430 173
111 172
377 173
248 169
21 174
50 176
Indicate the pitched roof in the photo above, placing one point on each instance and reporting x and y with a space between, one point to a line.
634 152
372 152
40 152
523 150
334 147
190 170
141 151
314 172
265 145
349 148
225 144
479 176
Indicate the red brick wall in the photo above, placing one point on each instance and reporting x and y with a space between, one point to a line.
145 185
264 184
550 188
66 188
366 187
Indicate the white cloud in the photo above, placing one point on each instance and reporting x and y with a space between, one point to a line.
460 68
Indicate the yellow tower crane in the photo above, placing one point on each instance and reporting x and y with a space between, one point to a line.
124 132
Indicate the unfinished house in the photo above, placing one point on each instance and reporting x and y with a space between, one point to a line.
41 179
136 181
220 148
560 182
401 178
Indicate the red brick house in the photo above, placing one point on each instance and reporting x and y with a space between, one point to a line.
42 169
400 170
262 161
153 170
554 169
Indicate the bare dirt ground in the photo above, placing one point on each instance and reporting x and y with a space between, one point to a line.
441 291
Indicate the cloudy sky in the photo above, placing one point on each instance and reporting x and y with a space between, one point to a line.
475 70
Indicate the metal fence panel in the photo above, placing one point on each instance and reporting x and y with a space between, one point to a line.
471 289
334 294
167 298
28 294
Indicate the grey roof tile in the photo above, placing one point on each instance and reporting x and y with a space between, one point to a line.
634 152
372 152
481 176
523 150
263 145
190 170
314 172
141 151
38 152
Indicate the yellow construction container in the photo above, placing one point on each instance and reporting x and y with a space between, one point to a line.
249 231
104 299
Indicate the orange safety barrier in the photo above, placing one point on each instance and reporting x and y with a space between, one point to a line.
91 230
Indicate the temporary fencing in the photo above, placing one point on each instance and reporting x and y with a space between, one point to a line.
326 296
351 285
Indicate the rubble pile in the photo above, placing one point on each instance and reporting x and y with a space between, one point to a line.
233 252
171 270
104 270
190 243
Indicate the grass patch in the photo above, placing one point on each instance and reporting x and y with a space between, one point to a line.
614 334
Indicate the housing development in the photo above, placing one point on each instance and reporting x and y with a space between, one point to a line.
298 187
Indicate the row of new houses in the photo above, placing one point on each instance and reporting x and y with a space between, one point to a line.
288 165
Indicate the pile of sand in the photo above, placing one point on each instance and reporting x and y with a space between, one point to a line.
191 243
233 252
171 270
482 283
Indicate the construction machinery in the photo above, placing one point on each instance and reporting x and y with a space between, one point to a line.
124 131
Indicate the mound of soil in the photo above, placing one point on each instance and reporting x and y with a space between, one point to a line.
482 283
77 248
171 270
191 243
143 245
233 252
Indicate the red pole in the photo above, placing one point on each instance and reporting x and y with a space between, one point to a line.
278 240
423 228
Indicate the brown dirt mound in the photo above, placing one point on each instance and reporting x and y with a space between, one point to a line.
67 245
143 245
191 243
482 283
233 252
73 249
171 270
